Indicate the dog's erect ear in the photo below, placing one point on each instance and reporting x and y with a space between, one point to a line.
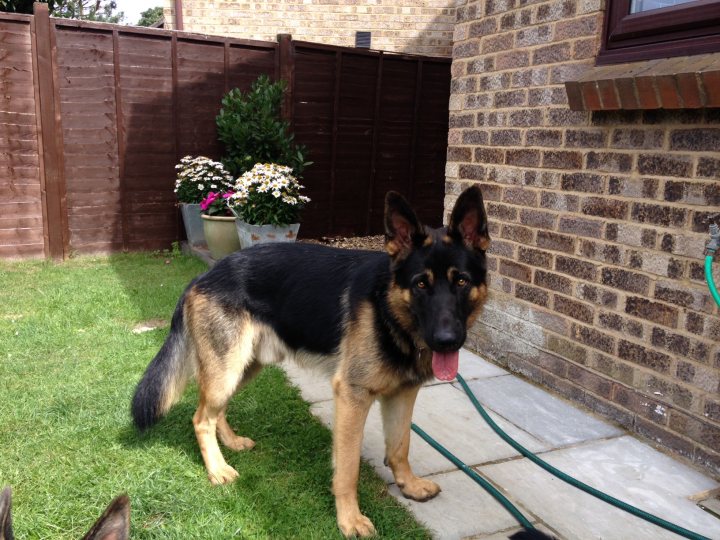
468 221
6 530
402 227
114 524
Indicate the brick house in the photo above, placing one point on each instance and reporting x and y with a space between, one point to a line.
593 128
599 160
403 26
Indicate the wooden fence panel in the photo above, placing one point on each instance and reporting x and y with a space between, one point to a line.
247 60
149 155
86 80
354 146
121 105
431 116
144 100
371 125
394 151
200 87
21 208
313 103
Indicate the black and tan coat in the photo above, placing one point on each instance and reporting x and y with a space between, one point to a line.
380 324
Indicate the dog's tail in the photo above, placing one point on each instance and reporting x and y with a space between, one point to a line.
165 378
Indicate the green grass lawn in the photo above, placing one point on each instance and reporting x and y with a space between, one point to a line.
69 362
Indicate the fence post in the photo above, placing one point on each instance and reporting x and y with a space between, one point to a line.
286 69
53 167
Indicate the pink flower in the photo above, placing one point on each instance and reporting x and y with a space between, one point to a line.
207 201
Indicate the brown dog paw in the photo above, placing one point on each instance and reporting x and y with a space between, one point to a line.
356 525
420 489
239 443
222 475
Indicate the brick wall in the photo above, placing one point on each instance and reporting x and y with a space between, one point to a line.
408 26
598 221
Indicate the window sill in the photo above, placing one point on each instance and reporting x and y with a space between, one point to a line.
690 82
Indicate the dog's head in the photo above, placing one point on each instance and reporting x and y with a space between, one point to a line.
439 275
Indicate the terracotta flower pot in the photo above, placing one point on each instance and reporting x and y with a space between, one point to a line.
221 235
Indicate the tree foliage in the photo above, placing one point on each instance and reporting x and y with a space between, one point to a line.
150 16
252 131
89 10
17 6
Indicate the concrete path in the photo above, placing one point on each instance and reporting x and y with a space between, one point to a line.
572 440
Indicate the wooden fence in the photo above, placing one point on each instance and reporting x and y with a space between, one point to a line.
94 117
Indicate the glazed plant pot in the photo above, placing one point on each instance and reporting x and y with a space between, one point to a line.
251 235
221 235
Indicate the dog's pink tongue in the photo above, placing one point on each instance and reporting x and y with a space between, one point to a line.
445 365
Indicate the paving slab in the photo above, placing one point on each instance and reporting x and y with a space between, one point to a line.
574 441
623 467
532 409
453 514
447 415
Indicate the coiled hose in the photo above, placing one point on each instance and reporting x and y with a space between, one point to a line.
677 529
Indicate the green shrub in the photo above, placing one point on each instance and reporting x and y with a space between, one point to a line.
250 127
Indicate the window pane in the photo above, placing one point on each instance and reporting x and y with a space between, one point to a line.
637 6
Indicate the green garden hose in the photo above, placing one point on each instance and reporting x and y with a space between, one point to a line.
710 250
710 280
572 481
487 486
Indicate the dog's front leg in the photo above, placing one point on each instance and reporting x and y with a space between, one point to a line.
351 409
397 415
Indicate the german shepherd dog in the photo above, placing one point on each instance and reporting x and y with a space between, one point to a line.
113 524
381 324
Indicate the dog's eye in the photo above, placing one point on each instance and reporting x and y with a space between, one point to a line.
422 284
461 282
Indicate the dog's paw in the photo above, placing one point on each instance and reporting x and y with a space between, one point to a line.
222 475
420 489
239 443
356 525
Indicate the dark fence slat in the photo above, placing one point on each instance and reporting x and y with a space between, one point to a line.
119 123
413 138
370 224
334 139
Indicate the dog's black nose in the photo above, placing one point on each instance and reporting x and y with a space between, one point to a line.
446 340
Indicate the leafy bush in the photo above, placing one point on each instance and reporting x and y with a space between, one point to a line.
250 127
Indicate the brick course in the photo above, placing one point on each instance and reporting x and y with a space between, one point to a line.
603 218
406 26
